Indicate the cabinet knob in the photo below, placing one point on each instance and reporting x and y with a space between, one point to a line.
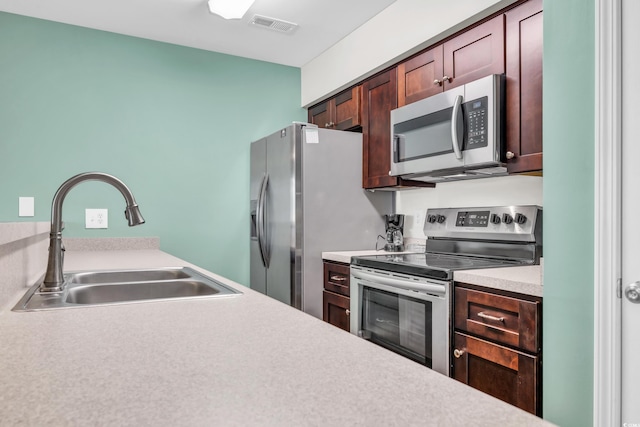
437 82
447 79
510 155
347 311
328 125
458 353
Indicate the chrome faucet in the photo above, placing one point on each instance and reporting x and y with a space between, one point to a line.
53 278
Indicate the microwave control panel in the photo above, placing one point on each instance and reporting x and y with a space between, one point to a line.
476 114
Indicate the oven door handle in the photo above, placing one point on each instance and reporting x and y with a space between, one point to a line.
432 288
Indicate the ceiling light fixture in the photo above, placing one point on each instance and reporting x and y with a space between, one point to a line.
230 9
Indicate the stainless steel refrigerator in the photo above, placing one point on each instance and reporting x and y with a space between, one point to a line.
307 198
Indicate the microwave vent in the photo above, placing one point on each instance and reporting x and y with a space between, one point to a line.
273 24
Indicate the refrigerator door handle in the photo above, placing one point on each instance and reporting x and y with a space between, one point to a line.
260 222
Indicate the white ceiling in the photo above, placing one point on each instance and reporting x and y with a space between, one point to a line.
322 23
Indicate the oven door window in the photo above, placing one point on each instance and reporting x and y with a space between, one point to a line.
399 323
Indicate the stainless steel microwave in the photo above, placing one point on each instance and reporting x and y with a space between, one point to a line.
456 134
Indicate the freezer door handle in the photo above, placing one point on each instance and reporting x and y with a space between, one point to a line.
260 222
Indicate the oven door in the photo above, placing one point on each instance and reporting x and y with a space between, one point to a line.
407 315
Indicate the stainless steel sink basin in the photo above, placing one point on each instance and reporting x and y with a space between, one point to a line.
83 289
121 276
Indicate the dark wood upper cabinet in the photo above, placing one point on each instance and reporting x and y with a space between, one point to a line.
379 98
420 76
474 54
524 87
342 112
508 43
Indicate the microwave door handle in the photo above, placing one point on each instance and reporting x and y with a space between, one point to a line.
457 104
397 139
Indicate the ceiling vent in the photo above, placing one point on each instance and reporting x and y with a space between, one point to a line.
273 24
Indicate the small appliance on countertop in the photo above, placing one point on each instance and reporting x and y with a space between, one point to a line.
394 227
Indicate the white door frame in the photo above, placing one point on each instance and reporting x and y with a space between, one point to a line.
607 214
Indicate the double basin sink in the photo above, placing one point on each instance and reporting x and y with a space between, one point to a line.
97 288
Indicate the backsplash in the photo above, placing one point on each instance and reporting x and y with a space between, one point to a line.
499 191
23 256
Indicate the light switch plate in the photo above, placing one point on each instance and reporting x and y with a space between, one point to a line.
96 218
26 206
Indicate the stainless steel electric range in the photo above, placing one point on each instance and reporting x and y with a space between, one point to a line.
403 301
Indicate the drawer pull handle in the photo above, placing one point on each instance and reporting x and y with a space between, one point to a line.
489 317
348 312
458 353
338 278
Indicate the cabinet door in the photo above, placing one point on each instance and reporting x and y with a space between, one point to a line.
336 309
503 373
378 99
524 87
343 112
476 53
347 109
420 76
320 114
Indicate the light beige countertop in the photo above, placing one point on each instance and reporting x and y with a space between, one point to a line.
241 361
525 280
345 256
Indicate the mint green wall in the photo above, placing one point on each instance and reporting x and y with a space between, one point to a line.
568 186
173 123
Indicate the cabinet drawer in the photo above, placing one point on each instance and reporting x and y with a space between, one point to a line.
507 320
336 277
506 374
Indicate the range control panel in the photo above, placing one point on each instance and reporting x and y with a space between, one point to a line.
495 223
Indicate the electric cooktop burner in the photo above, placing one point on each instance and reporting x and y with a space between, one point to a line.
432 265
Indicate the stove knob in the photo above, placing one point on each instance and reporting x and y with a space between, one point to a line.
520 219
507 219
432 218
495 219
441 219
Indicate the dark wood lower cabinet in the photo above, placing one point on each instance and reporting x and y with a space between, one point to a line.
504 373
335 296
498 344
336 309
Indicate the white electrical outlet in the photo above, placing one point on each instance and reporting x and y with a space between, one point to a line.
96 218
26 206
